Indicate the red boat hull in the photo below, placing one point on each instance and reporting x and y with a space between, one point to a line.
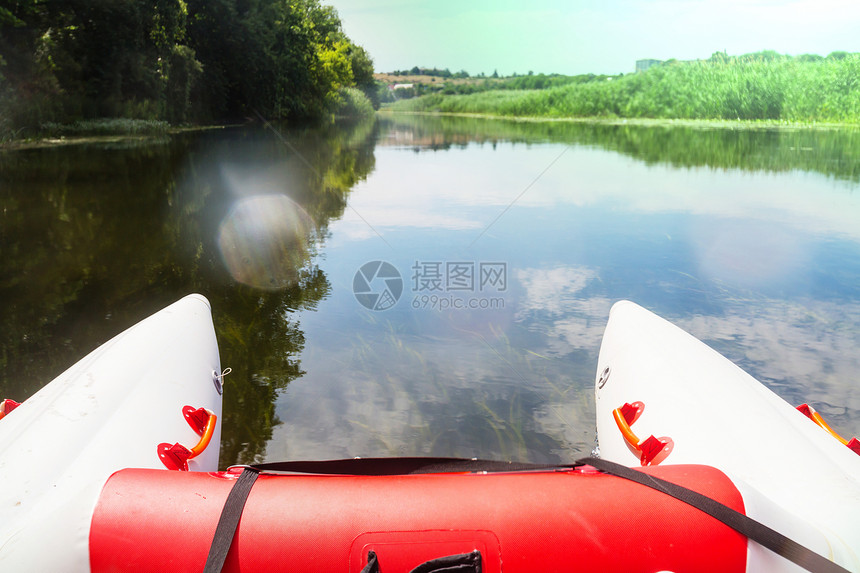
579 520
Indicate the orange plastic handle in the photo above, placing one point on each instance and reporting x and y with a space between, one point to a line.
626 431
206 437
810 413
816 417
652 450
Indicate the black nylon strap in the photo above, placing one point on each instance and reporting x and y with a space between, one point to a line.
229 520
758 532
752 529
402 466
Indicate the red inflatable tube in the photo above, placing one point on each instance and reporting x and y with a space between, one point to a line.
565 521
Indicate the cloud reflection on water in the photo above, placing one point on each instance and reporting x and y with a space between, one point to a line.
750 262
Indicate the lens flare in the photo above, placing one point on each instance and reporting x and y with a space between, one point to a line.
265 241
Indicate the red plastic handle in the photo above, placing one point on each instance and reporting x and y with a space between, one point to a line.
7 406
651 451
176 456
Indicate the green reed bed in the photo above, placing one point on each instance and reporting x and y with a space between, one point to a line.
784 89
106 126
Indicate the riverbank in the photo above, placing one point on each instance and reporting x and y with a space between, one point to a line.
702 124
786 90
353 105
101 131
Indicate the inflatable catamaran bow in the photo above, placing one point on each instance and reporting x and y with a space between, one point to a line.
126 479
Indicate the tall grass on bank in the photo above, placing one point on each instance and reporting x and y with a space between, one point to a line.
786 89
353 104
106 126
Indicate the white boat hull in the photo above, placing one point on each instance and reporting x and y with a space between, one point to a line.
795 477
107 412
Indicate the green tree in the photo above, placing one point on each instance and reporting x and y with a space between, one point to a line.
180 60
362 73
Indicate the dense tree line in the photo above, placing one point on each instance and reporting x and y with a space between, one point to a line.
175 60
446 73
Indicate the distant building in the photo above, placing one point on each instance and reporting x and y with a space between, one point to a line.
642 65
401 86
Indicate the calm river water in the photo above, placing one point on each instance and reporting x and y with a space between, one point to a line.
438 286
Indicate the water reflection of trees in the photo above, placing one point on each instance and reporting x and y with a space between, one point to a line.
832 152
96 237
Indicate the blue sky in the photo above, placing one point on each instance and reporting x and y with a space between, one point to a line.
576 36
